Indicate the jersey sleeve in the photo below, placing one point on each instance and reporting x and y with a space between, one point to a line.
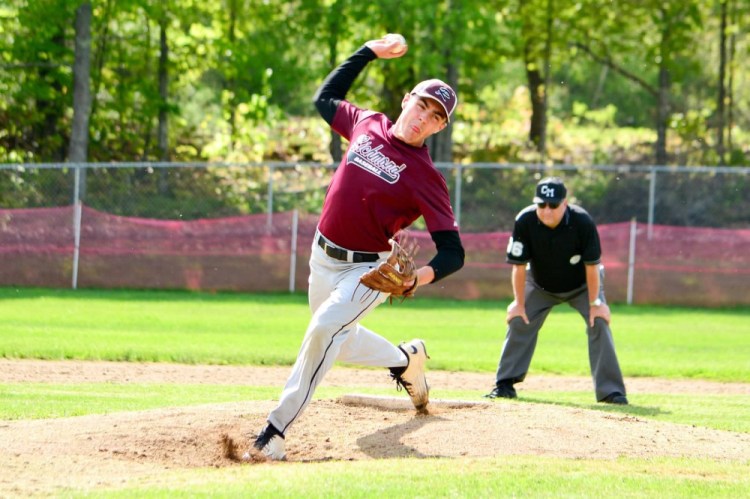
518 251
450 254
334 88
347 116
592 251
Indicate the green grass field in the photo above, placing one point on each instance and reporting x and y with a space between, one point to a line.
225 328
201 328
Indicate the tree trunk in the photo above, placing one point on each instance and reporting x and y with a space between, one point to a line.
730 83
722 78
536 95
663 94
662 110
536 80
163 129
599 87
333 38
231 82
79 136
163 91
441 145
148 132
441 148
100 53
542 146
335 146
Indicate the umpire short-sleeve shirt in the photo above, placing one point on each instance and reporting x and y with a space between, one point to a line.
556 256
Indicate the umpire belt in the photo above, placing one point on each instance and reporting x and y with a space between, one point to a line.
345 255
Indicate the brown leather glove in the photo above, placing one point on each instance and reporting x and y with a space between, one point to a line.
399 268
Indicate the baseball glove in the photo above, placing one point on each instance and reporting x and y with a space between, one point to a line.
399 268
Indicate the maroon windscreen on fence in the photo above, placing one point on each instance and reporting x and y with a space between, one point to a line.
672 265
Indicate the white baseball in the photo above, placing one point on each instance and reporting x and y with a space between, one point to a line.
396 38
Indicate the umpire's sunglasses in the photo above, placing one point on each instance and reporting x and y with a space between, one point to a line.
552 206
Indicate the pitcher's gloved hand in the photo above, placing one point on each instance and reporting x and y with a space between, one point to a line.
398 274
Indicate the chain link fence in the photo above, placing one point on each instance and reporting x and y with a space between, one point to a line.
178 200
486 196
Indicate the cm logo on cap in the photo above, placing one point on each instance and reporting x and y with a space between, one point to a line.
547 191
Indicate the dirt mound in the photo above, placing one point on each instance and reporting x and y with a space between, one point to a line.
42 456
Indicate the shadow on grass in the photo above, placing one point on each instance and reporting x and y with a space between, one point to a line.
635 410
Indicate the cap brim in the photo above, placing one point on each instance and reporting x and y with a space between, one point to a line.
540 200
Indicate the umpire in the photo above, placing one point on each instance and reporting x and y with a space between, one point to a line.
559 244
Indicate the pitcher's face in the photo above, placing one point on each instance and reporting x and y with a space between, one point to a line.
420 117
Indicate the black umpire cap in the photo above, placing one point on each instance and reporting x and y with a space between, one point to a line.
550 190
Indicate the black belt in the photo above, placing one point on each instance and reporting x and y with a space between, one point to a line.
343 255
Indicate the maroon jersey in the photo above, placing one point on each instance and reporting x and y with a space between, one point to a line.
381 186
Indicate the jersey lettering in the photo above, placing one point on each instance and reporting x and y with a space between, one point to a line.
370 159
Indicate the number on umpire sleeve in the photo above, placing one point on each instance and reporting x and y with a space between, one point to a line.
515 248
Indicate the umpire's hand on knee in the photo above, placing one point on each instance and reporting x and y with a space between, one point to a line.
601 311
516 310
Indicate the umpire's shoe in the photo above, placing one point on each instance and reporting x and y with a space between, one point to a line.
615 398
270 442
503 389
412 376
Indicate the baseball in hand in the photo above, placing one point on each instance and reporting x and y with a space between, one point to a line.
396 38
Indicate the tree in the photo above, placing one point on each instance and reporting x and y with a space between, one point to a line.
336 29
537 52
658 31
163 89
36 77
734 30
721 97
79 136
189 80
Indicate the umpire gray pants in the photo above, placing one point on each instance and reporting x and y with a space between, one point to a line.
521 338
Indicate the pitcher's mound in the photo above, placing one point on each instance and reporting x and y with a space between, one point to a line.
403 404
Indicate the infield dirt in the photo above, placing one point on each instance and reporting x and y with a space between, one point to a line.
89 452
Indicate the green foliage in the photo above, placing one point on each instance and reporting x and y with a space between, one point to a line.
175 193
493 198
603 118
34 187
240 75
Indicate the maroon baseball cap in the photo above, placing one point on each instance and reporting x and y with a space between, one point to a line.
440 91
